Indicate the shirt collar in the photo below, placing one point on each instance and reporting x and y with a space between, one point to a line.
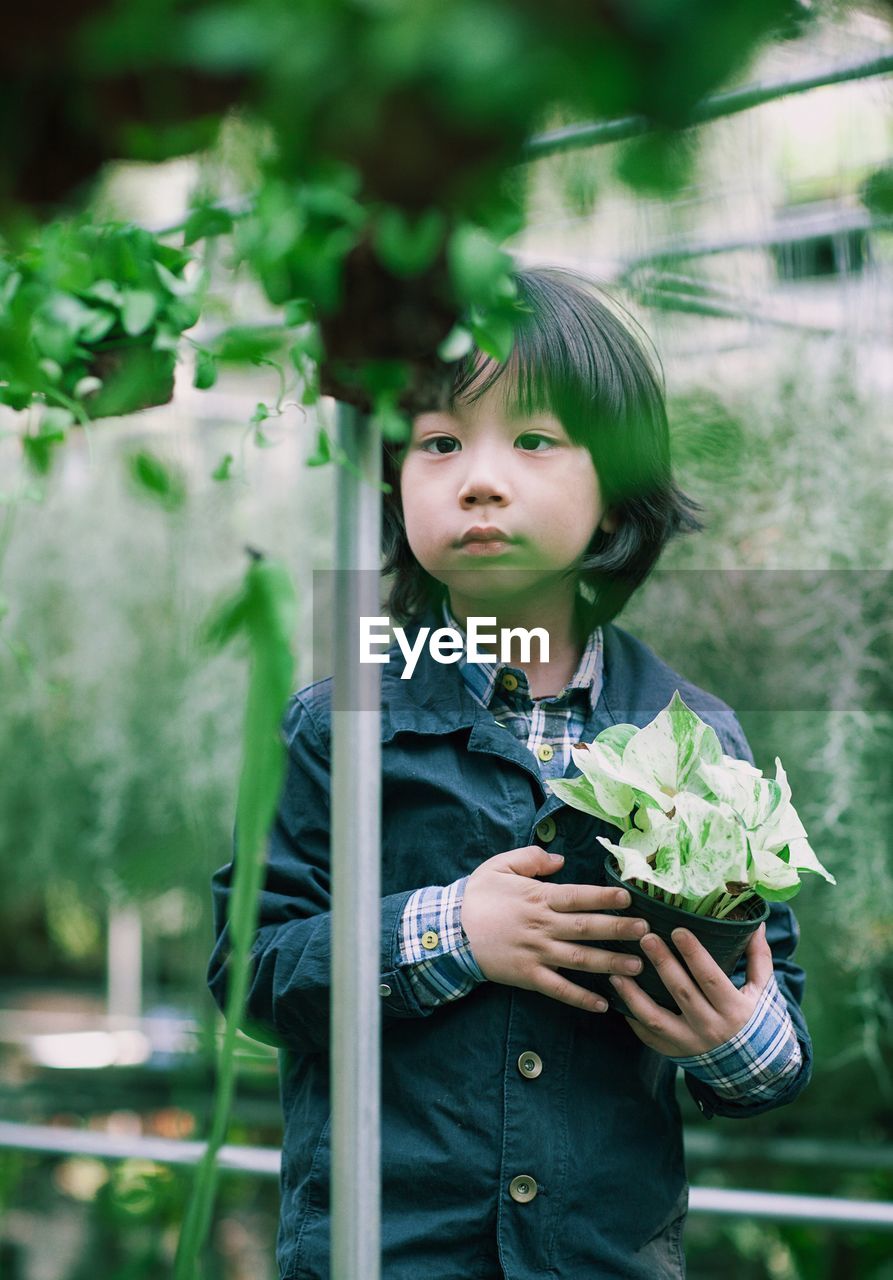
482 678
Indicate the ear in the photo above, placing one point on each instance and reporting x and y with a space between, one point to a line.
608 522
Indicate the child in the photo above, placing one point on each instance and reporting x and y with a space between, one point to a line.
525 1130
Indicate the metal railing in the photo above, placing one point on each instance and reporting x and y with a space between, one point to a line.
833 1211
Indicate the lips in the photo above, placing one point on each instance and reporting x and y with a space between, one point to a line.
485 533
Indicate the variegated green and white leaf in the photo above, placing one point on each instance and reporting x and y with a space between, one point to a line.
742 766
754 798
770 875
615 798
802 856
668 750
579 794
783 827
634 865
616 736
714 850
600 764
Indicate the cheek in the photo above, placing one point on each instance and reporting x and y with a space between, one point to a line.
416 509
581 505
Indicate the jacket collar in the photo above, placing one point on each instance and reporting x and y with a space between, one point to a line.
482 678
436 700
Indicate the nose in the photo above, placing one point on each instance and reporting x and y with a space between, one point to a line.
482 483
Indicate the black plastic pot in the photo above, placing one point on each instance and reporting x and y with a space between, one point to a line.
726 940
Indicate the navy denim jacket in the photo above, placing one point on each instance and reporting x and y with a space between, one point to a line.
598 1129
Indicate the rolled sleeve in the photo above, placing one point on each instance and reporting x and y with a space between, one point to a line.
760 1061
433 946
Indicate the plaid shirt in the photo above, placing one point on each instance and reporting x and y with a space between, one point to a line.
757 1063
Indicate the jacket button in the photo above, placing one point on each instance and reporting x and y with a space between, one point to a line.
384 989
530 1064
522 1188
544 751
509 681
546 829
429 939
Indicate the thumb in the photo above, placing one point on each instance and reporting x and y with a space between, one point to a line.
532 861
759 958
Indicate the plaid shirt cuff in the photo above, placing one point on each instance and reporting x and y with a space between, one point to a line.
441 968
760 1061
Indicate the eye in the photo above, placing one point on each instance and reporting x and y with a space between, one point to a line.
438 440
535 435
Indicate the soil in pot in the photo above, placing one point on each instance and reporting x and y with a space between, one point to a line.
725 939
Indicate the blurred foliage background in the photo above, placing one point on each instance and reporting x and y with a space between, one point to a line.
756 252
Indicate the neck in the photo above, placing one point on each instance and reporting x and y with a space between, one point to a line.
554 609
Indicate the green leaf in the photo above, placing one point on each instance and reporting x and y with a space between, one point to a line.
172 283
495 337
58 324
714 846
404 246
261 413
86 386
163 483
476 264
385 378
616 737
264 609
205 371
323 451
39 448
393 424
138 309
105 291
306 341
51 370
579 794
205 221
877 192
669 749
223 470
166 340
456 344
298 311
243 344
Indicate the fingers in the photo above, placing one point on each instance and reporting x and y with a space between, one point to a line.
686 989
587 897
654 1023
589 959
558 988
710 983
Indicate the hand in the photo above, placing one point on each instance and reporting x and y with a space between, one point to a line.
521 930
712 1008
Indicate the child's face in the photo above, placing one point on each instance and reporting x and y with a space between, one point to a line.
477 466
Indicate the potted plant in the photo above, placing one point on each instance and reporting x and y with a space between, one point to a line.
707 842
90 322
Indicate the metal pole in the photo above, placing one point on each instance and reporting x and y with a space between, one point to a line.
356 878
715 107
124 963
828 1210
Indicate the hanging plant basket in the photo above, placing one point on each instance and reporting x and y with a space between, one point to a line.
134 376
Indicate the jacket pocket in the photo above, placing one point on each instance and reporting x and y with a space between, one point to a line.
664 1254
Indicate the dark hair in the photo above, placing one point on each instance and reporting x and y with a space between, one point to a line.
574 358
